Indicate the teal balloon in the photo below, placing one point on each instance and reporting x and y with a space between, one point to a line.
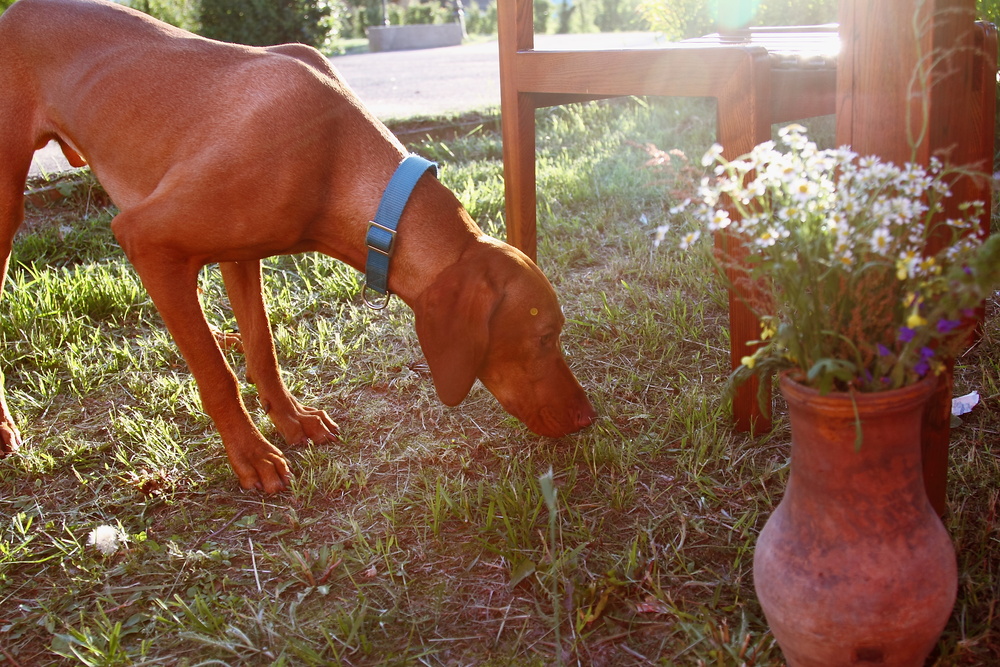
734 14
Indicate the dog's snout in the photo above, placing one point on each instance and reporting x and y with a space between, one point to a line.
585 417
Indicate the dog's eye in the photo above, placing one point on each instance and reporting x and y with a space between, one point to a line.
548 339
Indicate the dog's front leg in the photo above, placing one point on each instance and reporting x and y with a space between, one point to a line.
296 422
172 282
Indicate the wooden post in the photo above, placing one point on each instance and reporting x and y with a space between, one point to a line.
882 53
516 33
910 84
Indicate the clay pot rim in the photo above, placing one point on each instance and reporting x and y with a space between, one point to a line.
892 399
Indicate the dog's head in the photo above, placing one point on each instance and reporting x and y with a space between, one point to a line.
493 315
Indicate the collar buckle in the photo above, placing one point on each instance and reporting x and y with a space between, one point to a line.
381 239
381 235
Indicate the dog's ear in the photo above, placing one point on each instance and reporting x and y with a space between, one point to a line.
453 326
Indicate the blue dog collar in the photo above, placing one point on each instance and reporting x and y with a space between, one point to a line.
381 237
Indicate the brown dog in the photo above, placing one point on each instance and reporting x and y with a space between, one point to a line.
222 153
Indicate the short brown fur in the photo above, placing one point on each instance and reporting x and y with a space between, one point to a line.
223 153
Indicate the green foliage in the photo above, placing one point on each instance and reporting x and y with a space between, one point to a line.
612 15
583 16
428 12
181 13
266 22
682 19
786 12
988 10
543 12
357 15
481 21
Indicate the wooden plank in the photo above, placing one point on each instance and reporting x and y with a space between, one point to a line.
917 78
879 109
676 72
798 94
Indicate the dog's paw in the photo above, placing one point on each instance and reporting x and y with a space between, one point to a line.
10 438
299 423
318 426
262 467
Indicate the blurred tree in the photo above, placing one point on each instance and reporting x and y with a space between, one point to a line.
266 22
681 19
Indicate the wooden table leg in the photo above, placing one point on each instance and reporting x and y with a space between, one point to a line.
743 122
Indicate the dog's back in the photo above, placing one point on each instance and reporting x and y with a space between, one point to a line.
120 82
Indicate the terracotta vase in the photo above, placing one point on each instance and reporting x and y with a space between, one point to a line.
854 566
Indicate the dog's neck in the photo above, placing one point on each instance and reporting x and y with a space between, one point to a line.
434 232
434 229
381 234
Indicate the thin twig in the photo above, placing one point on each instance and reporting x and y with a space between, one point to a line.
11 659
253 563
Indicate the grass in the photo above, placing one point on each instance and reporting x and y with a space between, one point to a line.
427 535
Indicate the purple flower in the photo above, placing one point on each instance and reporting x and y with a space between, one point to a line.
906 334
946 326
923 366
883 351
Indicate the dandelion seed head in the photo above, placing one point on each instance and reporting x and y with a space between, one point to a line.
106 538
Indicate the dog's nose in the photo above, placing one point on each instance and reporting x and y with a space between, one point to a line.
586 417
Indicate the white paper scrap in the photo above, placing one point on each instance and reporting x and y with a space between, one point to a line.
963 404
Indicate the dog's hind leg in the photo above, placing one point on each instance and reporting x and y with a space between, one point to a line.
294 421
16 151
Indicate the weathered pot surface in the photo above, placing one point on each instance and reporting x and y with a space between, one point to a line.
854 566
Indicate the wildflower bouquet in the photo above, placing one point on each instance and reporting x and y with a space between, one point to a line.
858 281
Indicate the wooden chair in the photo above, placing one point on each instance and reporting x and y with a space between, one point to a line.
757 77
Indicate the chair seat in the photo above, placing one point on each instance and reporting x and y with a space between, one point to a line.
803 63
800 39
798 47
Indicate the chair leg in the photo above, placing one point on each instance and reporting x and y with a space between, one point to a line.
518 132
975 150
516 33
743 122
935 434
744 326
